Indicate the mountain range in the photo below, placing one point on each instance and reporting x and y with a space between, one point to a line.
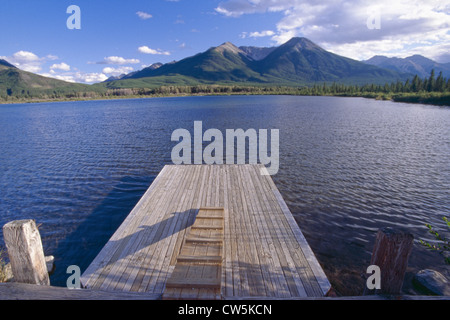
298 62
415 64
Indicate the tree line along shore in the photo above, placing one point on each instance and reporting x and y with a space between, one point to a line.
432 90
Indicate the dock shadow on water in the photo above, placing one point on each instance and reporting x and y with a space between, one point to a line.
82 245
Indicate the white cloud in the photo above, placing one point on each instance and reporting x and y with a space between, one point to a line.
52 57
61 66
25 56
79 77
256 34
89 77
406 26
31 62
26 60
118 60
52 74
117 71
144 15
147 50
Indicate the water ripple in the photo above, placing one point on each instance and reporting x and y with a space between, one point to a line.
348 167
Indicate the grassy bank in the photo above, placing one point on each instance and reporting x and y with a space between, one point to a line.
435 98
432 98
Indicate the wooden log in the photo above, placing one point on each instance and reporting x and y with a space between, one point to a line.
26 255
9 277
391 253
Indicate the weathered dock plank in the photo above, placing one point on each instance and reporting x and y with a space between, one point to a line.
22 291
264 251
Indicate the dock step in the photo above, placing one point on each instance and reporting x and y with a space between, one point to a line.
204 227
199 259
198 268
182 277
204 240
211 283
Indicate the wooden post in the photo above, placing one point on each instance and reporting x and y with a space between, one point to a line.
25 251
391 253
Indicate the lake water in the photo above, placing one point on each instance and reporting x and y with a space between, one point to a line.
348 166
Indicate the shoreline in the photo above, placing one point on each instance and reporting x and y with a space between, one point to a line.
435 99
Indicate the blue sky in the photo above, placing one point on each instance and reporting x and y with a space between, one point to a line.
119 36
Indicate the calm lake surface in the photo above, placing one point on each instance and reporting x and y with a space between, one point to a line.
348 166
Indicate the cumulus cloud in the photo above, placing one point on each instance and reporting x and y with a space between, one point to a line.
118 60
52 57
26 60
147 50
60 66
92 77
144 15
25 56
62 71
117 71
342 25
78 77
256 34
54 75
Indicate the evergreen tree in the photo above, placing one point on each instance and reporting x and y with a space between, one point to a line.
440 83
407 87
431 82
416 84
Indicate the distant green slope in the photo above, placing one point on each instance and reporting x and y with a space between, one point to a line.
150 82
181 80
5 65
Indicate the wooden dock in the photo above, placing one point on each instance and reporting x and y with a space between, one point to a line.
263 253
